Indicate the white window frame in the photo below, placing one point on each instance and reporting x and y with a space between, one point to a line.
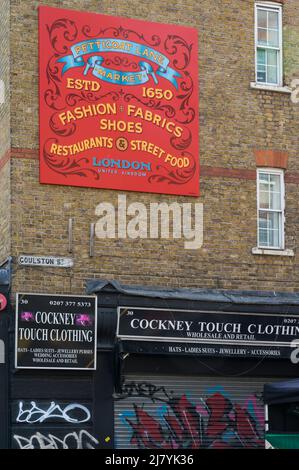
270 6
272 171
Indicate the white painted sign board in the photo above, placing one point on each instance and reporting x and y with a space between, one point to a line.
45 261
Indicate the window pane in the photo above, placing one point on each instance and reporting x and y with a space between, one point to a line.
264 200
272 57
275 182
263 220
261 68
272 75
275 201
264 187
262 19
263 237
274 239
273 20
274 229
264 182
261 77
270 229
262 36
261 56
273 38
264 178
263 234
275 194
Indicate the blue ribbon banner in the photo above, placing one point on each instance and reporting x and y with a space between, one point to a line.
114 76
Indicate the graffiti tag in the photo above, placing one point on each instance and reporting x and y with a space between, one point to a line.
145 390
73 440
73 413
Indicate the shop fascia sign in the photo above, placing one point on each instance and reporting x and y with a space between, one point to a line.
190 326
45 261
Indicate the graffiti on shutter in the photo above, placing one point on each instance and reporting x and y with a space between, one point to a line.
156 417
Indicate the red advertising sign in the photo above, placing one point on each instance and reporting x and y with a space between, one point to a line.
118 103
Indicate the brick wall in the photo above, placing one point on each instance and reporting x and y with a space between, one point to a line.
4 132
235 122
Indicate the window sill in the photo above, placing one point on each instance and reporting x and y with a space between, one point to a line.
279 89
266 251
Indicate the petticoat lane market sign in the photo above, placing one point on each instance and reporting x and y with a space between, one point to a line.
56 331
118 103
209 333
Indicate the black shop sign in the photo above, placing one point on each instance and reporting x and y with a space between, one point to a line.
207 332
56 331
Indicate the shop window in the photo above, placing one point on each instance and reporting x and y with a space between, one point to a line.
270 200
268 44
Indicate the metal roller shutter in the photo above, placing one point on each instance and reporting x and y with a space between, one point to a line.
190 412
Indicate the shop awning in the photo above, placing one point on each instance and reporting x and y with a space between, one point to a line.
282 392
222 297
